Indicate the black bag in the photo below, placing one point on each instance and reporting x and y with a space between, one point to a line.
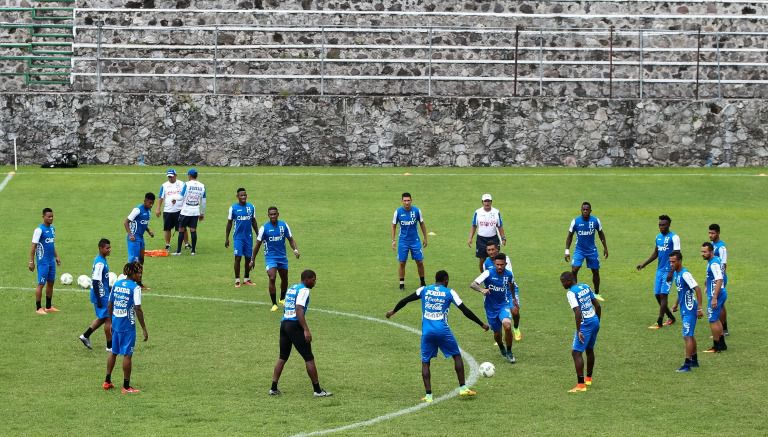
67 160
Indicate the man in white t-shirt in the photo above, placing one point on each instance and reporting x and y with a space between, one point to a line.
169 203
487 223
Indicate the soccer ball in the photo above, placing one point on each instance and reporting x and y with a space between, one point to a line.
84 281
487 369
112 279
66 279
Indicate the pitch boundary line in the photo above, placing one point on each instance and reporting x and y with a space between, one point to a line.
7 179
471 380
129 173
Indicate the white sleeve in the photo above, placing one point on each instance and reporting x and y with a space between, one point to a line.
676 243
421 217
572 299
288 231
260 235
723 255
134 213
483 276
509 264
302 297
97 271
573 223
137 295
394 218
688 278
229 216
456 299
419 290
599 225
717 272
36 235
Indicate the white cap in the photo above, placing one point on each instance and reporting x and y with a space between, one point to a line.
486 196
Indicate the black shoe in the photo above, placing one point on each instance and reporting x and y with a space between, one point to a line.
274 392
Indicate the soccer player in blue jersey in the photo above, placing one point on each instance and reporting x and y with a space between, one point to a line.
100 296
408 217
690 307
587 313
135 225
436 300
716 296
273 235
666 242
722 253
492 249
294 332
497 285
243 214
44 250
585 226
125 308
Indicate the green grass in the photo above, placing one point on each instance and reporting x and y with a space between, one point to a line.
207 365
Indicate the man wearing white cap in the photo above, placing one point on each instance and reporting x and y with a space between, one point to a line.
192 210
169 203
489 227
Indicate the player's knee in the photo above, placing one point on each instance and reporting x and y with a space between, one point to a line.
507 324
515 312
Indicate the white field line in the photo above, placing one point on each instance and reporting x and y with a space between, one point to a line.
473 368
6 180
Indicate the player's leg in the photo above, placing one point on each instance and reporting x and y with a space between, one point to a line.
285 353
689 325
247 251
590 350
576 262
49 297
458 366
283 272
167 226
418 257
666 310
38 298
85 337
420 269
401 274
724 320
237 269
108 332
577 349
494 322
272 275
181 233
426 377
111 359
575 270
296 334
516 323
596 280
506 323
716 326
127 367
193 237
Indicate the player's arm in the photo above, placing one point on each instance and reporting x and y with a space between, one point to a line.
471 316
598 308
502 235
202 207
577 316
254 224
601 235
226 235
476 284
110 307
700 312
96 283
423 232
724 258
568 241
394 229
403 302
139 312
292 242
472 230
717 273
127 223
31 264
303 322
654 255
160 200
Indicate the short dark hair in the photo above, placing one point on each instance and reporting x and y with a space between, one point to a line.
566 275
103 242
308 274
132 268
677 254
714 227
47 210
406 194
665 217
272 208
240 189
708 245
586 203
441 276
149 196
491 243
500 256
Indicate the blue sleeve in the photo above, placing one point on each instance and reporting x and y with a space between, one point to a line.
184 190
161 192
203 194
501 224
474 219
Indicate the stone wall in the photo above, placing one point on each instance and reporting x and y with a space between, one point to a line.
381 131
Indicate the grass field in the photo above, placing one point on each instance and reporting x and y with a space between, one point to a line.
207 365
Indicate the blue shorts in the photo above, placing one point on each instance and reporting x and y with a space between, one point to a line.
243 247
714 315
689 324
431 341
101 313
134 249
593 261
517 296
46 272
123 342
589 328
661 286
280 264
496 317
414 248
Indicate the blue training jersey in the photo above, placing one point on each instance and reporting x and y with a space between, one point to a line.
580 295
686 291
665 244
44 237
139 221
501 286
100 273
241 216
273 237
409 224
435 302
585 233
722 253
125 295
715 272
297 294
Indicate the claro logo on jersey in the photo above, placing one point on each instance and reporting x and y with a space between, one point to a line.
49 240
243 218
663 247
586 233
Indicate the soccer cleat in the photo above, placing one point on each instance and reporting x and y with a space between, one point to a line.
281 302
129 391
187 246
167 247
711 350
511 358
588 380
655 326
52 310
518 334
175 253
694 364
467 392
669 322
578 388
402 287
274 308
107 385
192 253
599 298
685 368
322 394
427 398
40 311
275 392
248 282
86 341
237 285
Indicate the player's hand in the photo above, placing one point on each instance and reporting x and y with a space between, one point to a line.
146 334
250 265
485 327
202 217
581 337
699 313
226 242
424 243
58 261
485 291
639 267
469 243
151 234
390 313
132 237
308 336
296 252
714 304
674 308
31 266
567 258
605 254
393 244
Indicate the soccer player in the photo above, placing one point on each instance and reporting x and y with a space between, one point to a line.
716 296
487 223
244 216
690 307
407 216
192 210
273 235
587 313
294 332
135 224
722 253
497 286
100 296
169 202
584 226
44 249
492 249
125 308
666 242
436 300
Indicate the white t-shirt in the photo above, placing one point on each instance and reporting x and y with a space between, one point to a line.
169 192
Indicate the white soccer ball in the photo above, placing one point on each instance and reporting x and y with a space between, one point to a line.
66 279
112 279
84 281
487 369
